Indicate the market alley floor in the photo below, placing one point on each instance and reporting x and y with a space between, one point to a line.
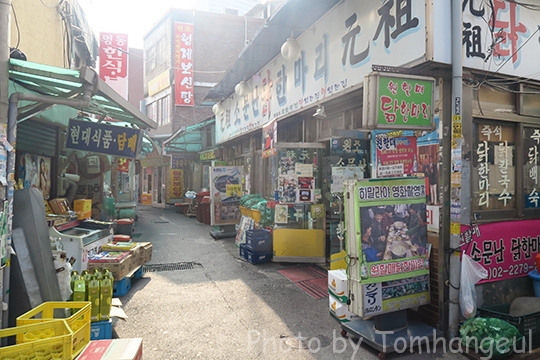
218 306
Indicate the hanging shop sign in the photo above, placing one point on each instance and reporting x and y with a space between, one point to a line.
113 61
181 161
506 249
208 155
269 133
395 156
176 184
103 138
225 192
183 63
400 102
123 165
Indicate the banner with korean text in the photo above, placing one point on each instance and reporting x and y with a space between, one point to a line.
506 249
103 138
183 64
113 61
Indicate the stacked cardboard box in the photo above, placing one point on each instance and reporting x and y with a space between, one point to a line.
338 296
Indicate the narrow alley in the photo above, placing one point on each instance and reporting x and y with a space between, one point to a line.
218 306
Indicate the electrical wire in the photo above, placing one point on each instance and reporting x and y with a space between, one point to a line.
16 26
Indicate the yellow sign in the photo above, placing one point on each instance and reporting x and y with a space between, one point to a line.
160 82
176 184
208 155
233 190
455 228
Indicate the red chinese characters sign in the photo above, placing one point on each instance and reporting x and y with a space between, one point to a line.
113 61
506 249
183 64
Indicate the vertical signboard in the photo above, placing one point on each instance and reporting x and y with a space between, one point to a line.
176 184
113 61
183 64
225 193
389 238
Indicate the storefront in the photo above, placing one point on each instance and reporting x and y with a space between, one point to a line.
70 130
477 154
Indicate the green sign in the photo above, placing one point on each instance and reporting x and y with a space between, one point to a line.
391 229
404 102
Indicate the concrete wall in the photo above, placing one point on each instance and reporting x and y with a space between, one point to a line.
38 31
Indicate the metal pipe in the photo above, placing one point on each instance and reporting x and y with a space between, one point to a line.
5 26
457 92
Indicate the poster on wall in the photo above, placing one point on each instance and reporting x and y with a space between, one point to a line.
396 156
507 250
269 133
225 192
35 171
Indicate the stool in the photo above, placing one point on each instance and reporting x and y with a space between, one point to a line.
124 226
121 238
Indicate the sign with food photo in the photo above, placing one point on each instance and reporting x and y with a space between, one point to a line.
391 216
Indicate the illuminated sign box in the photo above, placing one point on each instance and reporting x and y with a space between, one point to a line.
398 101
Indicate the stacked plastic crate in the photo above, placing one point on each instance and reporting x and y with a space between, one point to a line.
258 246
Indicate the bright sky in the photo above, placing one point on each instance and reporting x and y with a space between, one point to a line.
132 17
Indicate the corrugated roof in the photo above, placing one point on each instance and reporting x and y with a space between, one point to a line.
40 79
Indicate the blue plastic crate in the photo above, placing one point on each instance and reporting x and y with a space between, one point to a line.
259 240
101 330
243 251
257 257
138 274
121 287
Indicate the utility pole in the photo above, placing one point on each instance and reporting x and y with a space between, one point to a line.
5 24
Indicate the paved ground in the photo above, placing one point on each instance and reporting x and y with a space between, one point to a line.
227 308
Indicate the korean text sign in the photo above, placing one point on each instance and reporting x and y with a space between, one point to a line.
183 64
103 138
506 249
404 102
113 61
390 214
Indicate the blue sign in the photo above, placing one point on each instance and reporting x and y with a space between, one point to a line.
103 138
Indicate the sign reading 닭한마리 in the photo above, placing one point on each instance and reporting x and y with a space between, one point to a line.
396 101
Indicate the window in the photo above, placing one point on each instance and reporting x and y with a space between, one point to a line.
160 110
506 171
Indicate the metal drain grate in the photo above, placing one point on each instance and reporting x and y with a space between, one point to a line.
171 267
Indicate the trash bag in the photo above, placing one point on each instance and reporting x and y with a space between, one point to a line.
471 273
493 337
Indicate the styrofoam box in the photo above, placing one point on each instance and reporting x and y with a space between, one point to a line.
337 285
340 311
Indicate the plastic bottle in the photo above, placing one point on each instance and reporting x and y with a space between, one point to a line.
94 298
364 268
86 276
105 295
79 290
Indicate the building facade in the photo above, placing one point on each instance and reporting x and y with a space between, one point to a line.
186 53
482 138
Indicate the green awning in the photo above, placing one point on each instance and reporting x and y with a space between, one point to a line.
54 82
188 139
